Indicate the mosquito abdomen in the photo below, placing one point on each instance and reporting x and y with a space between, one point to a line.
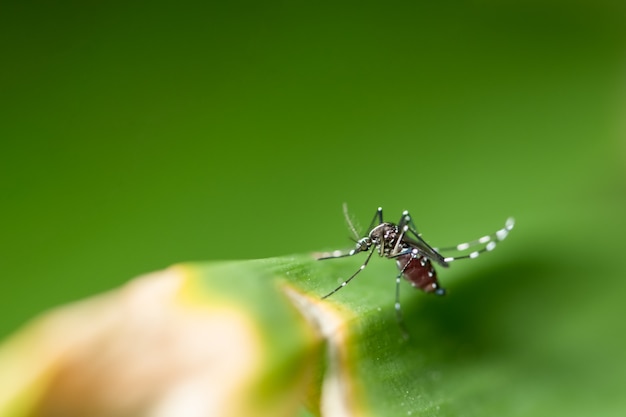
419 271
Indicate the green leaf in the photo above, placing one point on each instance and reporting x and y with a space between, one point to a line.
487 348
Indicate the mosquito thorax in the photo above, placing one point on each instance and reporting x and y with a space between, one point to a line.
384 232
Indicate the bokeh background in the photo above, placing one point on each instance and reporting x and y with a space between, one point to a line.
134 136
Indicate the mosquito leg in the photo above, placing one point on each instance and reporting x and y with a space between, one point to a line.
339 254
408 226
489 242
405 224
406 251
405 219
378 218
343 284
400 241
397 306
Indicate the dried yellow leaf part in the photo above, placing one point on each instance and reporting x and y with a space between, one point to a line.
341 392
136 351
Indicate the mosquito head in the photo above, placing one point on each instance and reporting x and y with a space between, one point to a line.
363 244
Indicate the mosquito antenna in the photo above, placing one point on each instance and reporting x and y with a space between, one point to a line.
350 222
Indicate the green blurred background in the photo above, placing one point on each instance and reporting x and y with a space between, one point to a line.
134 136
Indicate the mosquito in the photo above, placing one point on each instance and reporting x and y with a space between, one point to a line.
414 256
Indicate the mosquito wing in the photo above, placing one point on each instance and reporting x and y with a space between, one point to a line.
420 244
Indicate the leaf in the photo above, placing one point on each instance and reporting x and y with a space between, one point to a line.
220 338
214 339
253 338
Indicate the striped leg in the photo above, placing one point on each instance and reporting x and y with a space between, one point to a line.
488 243
343 284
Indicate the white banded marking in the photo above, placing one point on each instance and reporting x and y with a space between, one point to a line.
463 246
484 239
510 222
502 234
